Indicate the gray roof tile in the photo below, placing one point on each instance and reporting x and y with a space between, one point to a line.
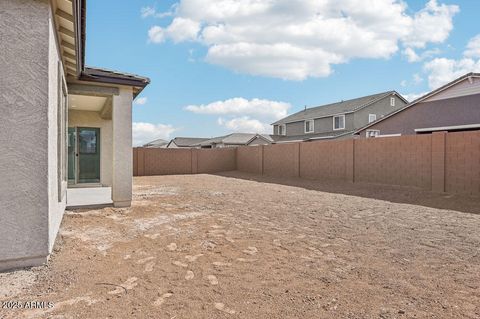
188 141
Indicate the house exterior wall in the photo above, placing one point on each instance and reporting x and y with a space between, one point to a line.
93 119
258 141
294 129
353 120
24 134
325 125
466 87
380 108
448 112
321 125
122 148
56 78
172 145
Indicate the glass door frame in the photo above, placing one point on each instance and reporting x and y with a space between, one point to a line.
76 153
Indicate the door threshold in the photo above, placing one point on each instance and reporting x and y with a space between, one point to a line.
86 185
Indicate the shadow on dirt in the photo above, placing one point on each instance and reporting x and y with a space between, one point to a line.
395 194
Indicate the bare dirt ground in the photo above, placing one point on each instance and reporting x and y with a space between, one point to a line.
210 246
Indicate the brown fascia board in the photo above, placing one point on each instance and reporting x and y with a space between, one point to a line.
79 13
102 76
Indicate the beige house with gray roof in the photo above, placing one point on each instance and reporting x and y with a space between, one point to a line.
65 129
336 120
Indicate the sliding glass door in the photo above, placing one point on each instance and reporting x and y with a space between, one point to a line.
84 155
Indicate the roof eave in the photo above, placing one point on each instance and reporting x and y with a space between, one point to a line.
80 13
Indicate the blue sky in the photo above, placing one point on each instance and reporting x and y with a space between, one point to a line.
218 66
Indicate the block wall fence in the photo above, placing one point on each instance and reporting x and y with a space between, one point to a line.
441 162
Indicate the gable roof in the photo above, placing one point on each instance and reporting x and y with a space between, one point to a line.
156 143
187 141
421 99
342 107
235 139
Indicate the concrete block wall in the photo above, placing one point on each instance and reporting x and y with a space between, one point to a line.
462 162
327 160
215 160
404 161
442 162
281 160
158 161
250 159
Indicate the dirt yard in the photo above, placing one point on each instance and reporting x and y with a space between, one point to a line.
210 246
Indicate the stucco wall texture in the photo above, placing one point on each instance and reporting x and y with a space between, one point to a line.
55 75
122 148
24 134
443 162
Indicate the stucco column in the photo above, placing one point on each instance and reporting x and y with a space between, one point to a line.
122 148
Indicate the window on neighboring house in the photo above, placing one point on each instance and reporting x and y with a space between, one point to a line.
281 129
339 122
372 118
309 126
372 133
392 101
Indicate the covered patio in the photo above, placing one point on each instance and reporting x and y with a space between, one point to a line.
100 138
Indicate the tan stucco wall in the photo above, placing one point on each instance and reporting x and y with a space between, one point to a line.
93 119
56 206
122 148
25 137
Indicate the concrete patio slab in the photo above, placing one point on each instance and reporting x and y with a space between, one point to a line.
89 197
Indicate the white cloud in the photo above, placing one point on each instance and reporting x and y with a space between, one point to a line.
297 39
417 79
413 96
431 24
239 106
147 132
152 12
141 101
473 48
444 70
245 124
156 34
242 115
179 30
412 56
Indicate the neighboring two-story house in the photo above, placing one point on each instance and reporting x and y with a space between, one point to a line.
451 108
337 120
